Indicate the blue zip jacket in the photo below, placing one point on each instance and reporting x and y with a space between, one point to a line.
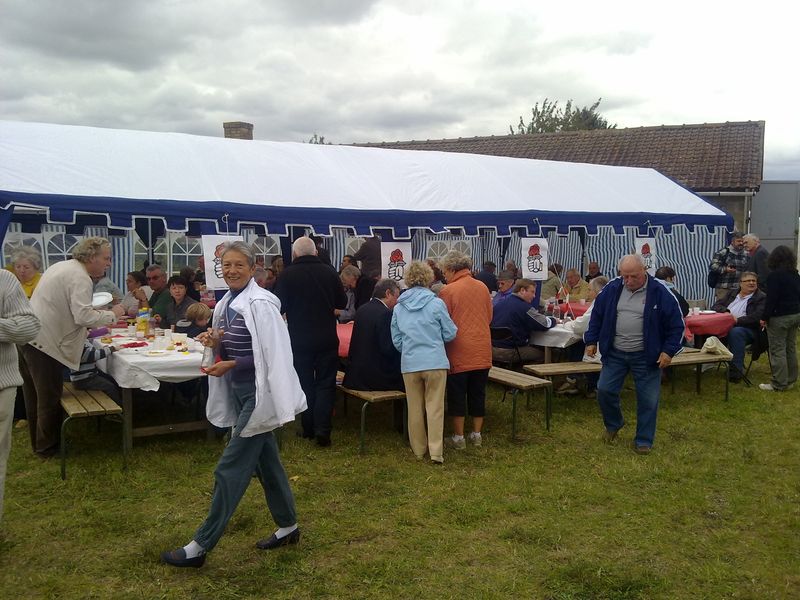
663 322
420 327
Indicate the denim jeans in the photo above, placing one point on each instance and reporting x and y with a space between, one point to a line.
646 377
738 338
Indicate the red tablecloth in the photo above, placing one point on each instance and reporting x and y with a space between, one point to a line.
345 332
575 309
718 324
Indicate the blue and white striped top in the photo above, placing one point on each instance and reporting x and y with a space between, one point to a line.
237 344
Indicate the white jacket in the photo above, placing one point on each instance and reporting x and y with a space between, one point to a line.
279 396
63 303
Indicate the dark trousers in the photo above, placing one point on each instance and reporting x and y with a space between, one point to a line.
234 471
317 374
102 382
467 389
43 382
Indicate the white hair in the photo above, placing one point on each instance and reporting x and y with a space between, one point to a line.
304 246
637 258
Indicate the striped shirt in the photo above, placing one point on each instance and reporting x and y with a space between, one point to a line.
237 344
89 358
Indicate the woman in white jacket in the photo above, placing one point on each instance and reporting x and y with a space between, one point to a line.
254 389
576 351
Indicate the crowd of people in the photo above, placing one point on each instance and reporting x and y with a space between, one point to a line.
433 335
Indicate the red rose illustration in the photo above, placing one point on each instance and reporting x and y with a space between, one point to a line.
396 255
217 250
533 250
646 249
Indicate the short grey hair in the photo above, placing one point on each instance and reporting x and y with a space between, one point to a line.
455 261
751 236
350 271
153 268
383 286
88 248
29 253
598 283
304 246
260 275
637 258
242 248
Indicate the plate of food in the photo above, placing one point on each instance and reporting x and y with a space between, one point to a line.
101 299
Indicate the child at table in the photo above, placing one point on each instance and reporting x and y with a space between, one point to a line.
196 321
88 377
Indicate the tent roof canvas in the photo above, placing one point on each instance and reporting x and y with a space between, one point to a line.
180 177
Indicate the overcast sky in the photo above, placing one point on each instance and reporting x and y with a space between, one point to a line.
385 70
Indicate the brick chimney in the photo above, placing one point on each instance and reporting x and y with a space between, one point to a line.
238 130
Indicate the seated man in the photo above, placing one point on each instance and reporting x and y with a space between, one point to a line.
576 287
518 314
374 361
552 285
667 275
746 304
505 287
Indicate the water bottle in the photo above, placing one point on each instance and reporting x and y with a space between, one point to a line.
556 311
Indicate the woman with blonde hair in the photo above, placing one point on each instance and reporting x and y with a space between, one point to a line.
420 328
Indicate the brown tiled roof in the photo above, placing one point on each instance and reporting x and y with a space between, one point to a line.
706 157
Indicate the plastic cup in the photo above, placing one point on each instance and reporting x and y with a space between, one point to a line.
131 330
582 301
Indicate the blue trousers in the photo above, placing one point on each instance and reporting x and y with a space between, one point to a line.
738 338
646 377
241 457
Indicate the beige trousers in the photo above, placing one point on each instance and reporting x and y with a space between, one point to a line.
425 398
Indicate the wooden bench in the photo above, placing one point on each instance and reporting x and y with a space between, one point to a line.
371 398
688 356
78 404
698 359
516 382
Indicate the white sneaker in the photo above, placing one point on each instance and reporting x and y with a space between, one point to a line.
451 442
767 387
569 384
475 439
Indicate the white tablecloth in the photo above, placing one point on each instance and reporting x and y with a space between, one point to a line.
133 368
556 337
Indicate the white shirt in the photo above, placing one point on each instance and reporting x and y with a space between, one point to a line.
738 307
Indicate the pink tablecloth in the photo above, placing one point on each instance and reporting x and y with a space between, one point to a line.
718 324
345 332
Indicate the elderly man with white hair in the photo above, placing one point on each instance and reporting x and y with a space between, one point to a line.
757 261
637 323
310 292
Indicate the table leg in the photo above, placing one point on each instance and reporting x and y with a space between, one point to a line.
548 354
127 418
698 375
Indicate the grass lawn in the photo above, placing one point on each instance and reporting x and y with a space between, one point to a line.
713 512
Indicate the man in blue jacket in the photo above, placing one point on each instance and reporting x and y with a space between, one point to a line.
637 322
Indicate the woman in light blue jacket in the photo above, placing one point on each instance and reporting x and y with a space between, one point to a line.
420 327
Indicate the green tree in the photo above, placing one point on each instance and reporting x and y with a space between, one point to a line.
317 139
551 117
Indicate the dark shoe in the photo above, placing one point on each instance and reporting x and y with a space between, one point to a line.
734 378
610 436
642 449
177 558
323 440
272 542
304 435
